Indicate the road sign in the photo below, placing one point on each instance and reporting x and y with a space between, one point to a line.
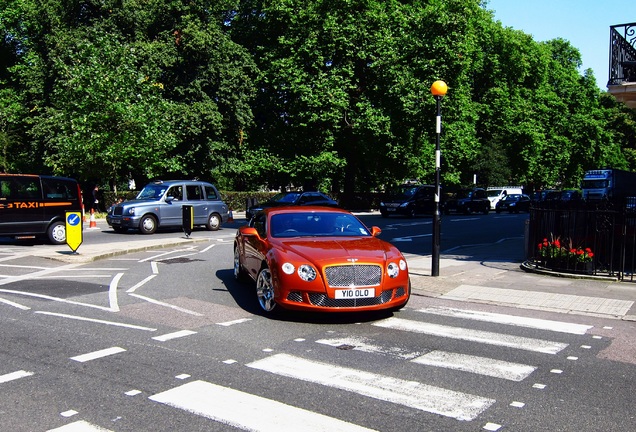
74 235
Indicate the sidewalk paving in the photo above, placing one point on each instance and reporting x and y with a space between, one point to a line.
493 274
489 273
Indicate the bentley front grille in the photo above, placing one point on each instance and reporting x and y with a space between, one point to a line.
324 301
353 275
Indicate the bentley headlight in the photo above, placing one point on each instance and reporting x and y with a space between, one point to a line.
306 272
392 270
402 265
288 268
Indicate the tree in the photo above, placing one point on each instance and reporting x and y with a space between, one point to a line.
113 90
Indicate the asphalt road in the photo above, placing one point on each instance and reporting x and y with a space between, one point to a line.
166 340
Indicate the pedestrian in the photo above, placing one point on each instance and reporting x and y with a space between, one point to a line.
95 207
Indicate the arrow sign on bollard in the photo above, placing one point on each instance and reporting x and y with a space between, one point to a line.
74 235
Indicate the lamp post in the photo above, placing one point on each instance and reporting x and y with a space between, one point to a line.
438 89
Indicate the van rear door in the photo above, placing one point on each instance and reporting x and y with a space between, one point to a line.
21 210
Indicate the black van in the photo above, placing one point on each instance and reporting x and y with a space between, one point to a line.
409 200
36 205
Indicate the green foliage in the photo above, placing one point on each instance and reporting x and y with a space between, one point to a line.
335 95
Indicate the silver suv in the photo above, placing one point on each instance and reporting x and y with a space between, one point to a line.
159 204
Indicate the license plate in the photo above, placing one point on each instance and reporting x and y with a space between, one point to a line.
390 209
115 221
355 293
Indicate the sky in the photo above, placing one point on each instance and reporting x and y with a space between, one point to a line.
585 23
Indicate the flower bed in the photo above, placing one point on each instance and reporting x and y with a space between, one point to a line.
554 255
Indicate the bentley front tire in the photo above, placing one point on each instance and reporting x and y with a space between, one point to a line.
265 290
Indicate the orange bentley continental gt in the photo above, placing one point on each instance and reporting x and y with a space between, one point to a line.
319 259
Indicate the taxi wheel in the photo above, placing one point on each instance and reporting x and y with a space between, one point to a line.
265 290
148 225
57 233
214 222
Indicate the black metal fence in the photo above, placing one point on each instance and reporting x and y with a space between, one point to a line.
586 238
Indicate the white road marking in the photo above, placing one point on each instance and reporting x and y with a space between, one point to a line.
79 426
116 324
536 323
57 299
154 257
168 305
112 292
365 345
177 256
409 238
38 274
140 284
498 339
174 335
16 305
245 411
207 248
79 276
237 321
436 400
21 266
14 376
154 267
478 365
98 354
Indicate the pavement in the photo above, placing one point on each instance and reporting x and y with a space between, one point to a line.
486 273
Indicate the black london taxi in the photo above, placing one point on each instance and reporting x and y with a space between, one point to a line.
36 205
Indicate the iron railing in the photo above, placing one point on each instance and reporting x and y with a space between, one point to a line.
586 238
622 67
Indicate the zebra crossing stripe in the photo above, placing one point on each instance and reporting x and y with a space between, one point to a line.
541 324
436 400
14 376
98 354
478 365
79 426
498 339
249 412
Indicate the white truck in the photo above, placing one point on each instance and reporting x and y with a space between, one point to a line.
609 184
497 193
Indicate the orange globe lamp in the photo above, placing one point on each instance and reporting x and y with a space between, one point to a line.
439 88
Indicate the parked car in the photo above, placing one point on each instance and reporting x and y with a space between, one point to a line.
570 196
36 205
468 201
160 204
409 200
541 196
497 193
319 259
297 198
514 203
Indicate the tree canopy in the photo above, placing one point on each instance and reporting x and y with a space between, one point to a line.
266 94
